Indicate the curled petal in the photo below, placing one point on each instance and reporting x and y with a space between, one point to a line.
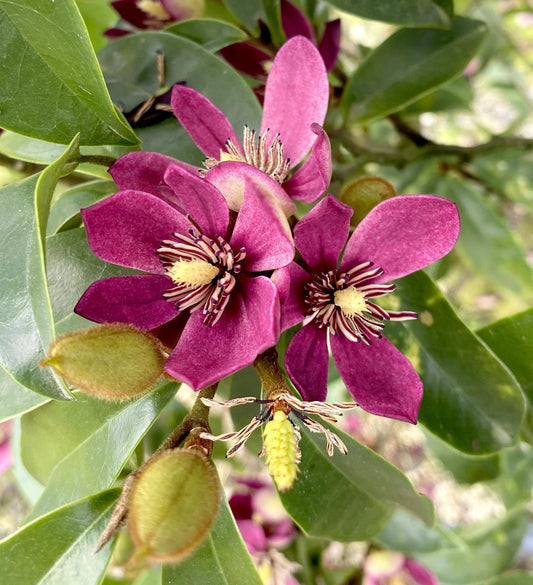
379 377
296 96
290 281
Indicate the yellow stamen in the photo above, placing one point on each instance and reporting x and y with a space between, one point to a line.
153 8
350 300
192 272
282 452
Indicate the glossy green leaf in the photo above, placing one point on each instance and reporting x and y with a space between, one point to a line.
130 68
222 559
212 34
486 242
248 13
97 457
26 324
272 10
514 484
57 549
511 339
98 17
409 64
453 95
51 53
359 491
471 400
16 399
414 13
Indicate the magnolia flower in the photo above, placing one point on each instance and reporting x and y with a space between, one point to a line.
296 102
197 265
335 300
393 568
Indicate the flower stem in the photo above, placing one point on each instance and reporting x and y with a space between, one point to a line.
271 374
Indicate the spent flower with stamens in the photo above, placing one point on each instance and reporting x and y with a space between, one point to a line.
335 300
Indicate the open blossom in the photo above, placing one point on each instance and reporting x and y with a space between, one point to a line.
335 300
392 568
296 102
196 264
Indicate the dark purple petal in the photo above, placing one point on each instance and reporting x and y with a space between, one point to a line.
379 377
229 178
330 43
247 59
262 230
290 281
200 200
306 362
321 234
241 506
131 13
420 574
249 325
133 299
205 123
116 33
312 179
128 228
403 235
294 22
296 96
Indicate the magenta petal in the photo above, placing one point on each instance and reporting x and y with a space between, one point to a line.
379 377
247 59
206 124
403 235
330 43
312 179
253 536
296 96
321 234
420 574
290 281
294 22
229 178
5 456
131 13
306 362
128 227
202 201
263 231
180 10
249 325
133 299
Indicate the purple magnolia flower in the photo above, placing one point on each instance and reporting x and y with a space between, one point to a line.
335 299
393 568
5 449
197 265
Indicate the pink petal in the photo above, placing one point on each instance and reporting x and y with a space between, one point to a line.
200 200
306 362
143 171
403 235
294 22
204 122
128 227
229 178
263 231
133 299
330 43
420 574
180 10
253 536
312 179
296 96
290 281
321 234
5 455
249 325
379 377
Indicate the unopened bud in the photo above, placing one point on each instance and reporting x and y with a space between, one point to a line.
113 361
173 505
363 194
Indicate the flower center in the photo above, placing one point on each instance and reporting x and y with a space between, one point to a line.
340 301
254 152
203 270
153 8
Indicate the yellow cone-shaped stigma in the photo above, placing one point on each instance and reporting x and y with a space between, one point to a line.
350 300
281 449
193 272
153 8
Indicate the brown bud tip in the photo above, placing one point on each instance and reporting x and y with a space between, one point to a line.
173 505
363 194
113 361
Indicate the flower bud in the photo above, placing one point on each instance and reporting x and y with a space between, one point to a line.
113 361
363 194
173 505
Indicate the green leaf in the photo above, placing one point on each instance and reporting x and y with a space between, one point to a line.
57 549
16 399
359 491
98 17
222 559
130 68
114 432
414 13
53 87
248 13
212 34
470 400
409 64
272 10
511 339
515 483
513 578
26 324
486 242
453 95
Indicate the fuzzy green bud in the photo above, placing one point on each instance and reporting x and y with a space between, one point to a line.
363 194
280 442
